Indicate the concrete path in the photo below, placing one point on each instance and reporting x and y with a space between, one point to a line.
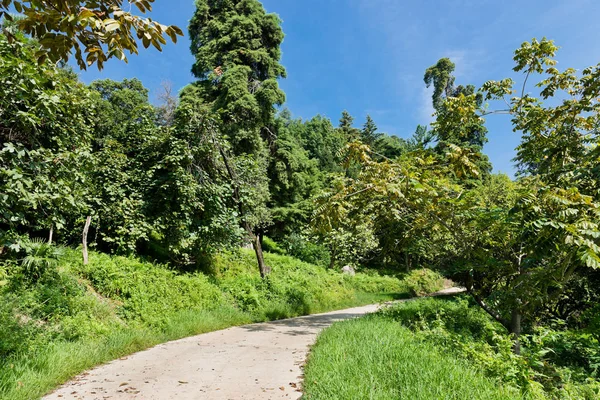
259 361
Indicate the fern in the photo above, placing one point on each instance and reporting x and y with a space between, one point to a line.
41 257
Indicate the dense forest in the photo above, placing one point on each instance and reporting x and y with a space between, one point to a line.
224 165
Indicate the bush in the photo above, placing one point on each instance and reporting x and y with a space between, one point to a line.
424 281
303 249
293 287
374 283
41 259
553 364
145 291
17 331
271 246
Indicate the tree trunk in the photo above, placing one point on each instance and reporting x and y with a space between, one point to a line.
262 266
254 239
515 330
407 261
515 317
86 228
51 234
332 259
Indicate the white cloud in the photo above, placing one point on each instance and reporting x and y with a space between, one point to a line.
426 110
468 63
461 59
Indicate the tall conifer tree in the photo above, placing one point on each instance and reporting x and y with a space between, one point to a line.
236 48
369 134
350 133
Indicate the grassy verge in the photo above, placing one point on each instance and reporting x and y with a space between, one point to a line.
67 319
32 374
429 349
376 358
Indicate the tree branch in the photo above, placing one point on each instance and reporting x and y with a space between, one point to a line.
505 323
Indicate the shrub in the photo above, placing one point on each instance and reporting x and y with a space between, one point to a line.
41 259
554 364
303 249
293 287
17 330
271 246
424 281
373 283
148 292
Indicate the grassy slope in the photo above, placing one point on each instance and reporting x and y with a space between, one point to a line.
428 349
376 358
81 316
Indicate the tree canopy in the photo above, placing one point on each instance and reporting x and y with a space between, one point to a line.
95 31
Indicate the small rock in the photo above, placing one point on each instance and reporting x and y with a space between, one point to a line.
348 270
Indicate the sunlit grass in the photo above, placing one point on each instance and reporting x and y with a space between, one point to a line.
116 306
376 358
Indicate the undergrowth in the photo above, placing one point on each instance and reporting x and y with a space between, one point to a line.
61 318
555 363
376 358
431 348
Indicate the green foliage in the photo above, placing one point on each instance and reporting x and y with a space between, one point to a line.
104 155
450 130
307 250
148 292
202 199
554 364
98 30
272 246
40 259
46 118
440 75
17 333
376 358
532 247
514 245
383 207
421 282
183 185
294 177
348 132
322 141
368 133
391 146
293 287
128 147
236 49
77 315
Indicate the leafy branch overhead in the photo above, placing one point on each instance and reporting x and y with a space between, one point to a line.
95 31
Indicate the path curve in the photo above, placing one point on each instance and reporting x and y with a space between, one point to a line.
258 361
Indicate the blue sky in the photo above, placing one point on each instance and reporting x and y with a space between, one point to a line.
369 56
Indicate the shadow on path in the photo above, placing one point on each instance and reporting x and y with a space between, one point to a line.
307 325
302 325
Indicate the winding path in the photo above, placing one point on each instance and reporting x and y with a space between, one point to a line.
258 361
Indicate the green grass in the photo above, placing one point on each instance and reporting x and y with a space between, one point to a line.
449 348
555 363
75 317
376 358
30 375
